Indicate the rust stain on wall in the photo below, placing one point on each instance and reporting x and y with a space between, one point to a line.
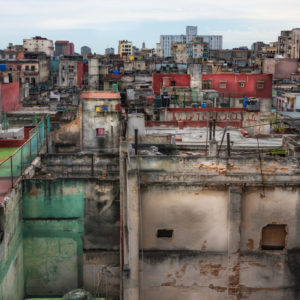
33 191
219 289
211 269
250 244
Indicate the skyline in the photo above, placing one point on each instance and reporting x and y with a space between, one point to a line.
102 25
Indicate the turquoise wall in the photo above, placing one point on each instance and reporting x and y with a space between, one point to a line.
53 212
11 251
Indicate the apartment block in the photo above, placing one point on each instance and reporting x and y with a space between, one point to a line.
39 44
64 48
166 42
215 42
191 33
125 48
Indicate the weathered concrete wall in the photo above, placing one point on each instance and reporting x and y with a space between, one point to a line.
11 248
186 212
108 120
217 213
67 138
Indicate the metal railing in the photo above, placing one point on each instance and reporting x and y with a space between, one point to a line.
14 166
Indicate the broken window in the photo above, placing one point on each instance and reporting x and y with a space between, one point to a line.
100 132
260 85
206 85
273 237
164 233
223 85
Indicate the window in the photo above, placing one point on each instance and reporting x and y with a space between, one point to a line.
242 84
26 68
273 237
71 69
19 67
164 233
32 68
206 84
100 132
222 85
260 85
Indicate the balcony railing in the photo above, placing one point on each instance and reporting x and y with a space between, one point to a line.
13 167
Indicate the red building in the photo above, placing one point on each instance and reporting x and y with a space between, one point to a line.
64 48
239 85
167 80
9 96
80 73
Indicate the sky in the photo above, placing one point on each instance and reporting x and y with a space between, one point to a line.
100 24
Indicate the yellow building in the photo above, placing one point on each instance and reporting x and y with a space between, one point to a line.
125 48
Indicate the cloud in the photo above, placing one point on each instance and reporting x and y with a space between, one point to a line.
66 14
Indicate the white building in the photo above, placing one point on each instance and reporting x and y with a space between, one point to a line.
215 42
39 44
167 40
191 33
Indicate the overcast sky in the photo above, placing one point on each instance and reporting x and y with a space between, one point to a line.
101 23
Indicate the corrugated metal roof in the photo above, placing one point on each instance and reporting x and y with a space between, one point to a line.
100 95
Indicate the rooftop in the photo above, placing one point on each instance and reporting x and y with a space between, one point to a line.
100 95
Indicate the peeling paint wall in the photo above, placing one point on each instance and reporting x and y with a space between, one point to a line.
214 212
71 236
11 249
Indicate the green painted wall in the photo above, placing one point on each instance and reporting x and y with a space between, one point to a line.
53 212
11 251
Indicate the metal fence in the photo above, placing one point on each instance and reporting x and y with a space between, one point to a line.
13 167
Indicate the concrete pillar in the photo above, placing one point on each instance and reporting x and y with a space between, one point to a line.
234 241
123 210
131 270
135 121
213 148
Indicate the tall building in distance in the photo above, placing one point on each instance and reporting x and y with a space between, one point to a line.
191 33
166 42
288 44
85 50
295 51
38 44
284 44
109 51
125 48
64 48
215 42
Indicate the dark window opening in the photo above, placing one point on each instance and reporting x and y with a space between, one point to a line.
273 237
164 233
206 84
